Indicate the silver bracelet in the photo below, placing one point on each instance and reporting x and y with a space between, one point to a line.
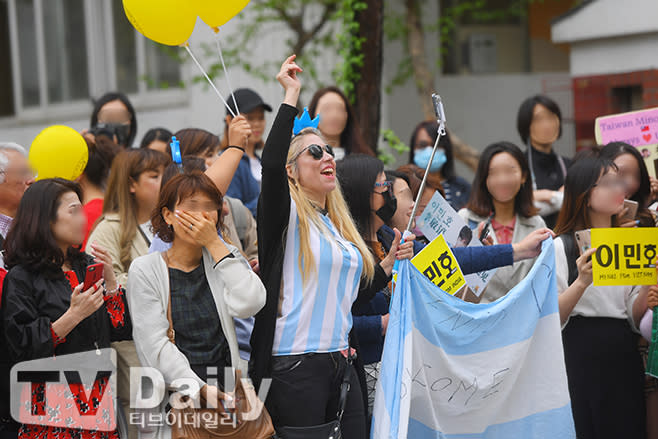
114 290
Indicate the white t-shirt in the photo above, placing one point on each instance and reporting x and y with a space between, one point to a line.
256 168
611 301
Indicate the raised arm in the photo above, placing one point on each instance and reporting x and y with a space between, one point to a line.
221 172
274 202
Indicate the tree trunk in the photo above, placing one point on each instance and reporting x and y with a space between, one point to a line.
367 90
425 82
416 48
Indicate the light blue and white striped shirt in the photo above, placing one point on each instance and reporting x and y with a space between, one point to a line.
316 316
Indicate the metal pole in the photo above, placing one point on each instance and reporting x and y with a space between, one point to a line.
440 115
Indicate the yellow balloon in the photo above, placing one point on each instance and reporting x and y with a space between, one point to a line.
216 13
169 22
59 151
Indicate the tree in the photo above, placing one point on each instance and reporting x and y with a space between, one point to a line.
354 29
311 24
367 93
412 31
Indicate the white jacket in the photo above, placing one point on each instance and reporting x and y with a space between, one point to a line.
237 290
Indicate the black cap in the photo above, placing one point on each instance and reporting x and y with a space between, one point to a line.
248 100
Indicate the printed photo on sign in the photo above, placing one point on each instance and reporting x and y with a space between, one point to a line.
439 218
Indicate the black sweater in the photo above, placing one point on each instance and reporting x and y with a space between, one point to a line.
273 216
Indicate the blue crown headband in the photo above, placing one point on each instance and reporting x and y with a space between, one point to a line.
304 121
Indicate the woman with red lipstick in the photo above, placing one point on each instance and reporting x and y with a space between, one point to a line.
315 266
600 323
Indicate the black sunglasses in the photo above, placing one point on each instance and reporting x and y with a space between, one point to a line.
317 151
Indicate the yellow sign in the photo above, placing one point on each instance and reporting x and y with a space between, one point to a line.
625 256
439 265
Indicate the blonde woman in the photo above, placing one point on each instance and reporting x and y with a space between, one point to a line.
314 265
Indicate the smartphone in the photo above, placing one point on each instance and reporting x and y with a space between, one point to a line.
484 233
93 275
583 240
632 209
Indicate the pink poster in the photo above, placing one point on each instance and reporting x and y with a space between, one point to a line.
637 128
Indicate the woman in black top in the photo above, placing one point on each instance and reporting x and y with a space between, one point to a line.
539 123
44 310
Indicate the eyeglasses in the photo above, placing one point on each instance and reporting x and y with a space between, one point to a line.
317 152
385 184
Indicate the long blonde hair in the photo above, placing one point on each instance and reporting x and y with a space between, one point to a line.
337 210
126 169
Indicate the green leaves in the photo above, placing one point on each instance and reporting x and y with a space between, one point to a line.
348 72
394 144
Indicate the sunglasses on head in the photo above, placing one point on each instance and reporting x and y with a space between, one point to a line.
316 151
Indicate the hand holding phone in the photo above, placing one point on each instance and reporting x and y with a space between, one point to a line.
583 240
484 231
631 210
93 275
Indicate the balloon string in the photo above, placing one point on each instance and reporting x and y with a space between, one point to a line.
187 47
228 79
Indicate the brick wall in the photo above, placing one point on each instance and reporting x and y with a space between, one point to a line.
594 96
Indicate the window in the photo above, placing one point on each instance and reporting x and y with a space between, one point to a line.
624 99
489 38
66 51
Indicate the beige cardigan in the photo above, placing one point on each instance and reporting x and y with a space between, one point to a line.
107 234
508 277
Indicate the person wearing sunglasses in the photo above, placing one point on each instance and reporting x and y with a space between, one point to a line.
315 265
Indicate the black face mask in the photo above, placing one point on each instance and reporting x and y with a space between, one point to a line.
386 212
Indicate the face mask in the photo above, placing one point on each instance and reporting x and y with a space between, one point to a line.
387 211
422 158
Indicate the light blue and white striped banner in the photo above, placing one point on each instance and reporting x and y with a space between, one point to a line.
452 369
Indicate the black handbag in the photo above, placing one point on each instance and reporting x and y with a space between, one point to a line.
330 430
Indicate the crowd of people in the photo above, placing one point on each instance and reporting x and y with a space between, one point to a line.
273 254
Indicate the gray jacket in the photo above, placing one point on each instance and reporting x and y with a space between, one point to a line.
508 277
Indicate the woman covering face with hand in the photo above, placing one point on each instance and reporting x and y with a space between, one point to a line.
185 298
